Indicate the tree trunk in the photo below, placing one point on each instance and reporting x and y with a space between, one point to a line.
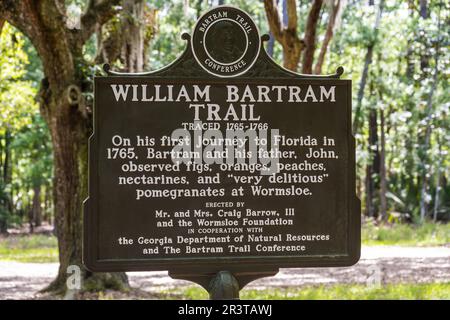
68 139
369 210
424 54
69 131
7 169
48 204
286 35
71 151
438 186
335 7
423 9
428 125
365 73
362 86
3 220
270 45
3 225
1 155
424 177
60 50
36 206
7 172
285 11
291 54
383 180
128 40
373 168
133 52
285 32
310 36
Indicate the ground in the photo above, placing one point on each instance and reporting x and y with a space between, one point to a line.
398 261
379 265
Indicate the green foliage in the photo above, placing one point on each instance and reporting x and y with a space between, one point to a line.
39 255
25 147
16 94
173 19
103 282
32 248
34 147
400 84
426 234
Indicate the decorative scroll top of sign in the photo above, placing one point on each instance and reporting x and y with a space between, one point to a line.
225 43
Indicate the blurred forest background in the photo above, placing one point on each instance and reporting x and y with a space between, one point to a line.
395 52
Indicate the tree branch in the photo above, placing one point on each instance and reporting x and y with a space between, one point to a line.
310 36
2 23
292 15
44 24
335 7
287 37
273 17
98 12
10 11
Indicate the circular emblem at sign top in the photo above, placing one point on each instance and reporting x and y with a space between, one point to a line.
226 42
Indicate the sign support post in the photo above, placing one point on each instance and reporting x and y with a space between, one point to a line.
224 286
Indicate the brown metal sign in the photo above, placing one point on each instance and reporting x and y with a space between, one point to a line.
221 161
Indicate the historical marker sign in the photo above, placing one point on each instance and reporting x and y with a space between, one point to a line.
221 161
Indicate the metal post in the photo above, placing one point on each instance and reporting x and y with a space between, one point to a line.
224 286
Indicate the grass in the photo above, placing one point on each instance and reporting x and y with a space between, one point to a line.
427 291
29 248
427 234
43 248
